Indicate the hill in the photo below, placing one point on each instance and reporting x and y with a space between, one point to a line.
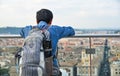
16 31
10 30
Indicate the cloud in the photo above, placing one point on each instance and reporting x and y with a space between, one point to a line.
87 13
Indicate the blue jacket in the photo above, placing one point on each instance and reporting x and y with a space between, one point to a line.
56 33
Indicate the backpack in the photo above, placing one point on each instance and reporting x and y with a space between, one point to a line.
36 54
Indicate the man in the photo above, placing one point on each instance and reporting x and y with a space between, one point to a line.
44 19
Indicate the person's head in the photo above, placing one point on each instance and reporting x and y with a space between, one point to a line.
44 15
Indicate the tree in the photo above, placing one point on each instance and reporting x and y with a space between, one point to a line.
3 71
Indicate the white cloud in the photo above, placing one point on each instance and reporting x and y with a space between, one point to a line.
87 13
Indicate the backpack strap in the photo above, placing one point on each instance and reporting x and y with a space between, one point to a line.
17 59
43 32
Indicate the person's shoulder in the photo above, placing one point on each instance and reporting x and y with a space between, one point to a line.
60 27
55 27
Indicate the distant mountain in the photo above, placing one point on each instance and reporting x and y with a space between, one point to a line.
10 30
16 30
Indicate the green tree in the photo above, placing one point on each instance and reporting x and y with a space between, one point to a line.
3 71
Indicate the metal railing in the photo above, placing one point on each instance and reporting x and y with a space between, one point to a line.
76 36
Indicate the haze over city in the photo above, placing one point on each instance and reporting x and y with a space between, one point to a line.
76 13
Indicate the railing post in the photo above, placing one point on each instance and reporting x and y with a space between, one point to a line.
90 56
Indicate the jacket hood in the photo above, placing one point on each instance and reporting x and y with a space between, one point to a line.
42 25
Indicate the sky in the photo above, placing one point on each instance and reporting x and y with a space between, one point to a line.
76 13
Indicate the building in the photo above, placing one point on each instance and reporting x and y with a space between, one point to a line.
69 67
115 68
85 69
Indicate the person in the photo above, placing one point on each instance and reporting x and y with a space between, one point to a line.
44 19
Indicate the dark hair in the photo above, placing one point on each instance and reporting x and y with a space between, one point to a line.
44 15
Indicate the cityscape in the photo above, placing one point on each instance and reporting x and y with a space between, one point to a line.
72 54
94 50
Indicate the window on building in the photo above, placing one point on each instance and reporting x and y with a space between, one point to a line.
93 72
69 74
